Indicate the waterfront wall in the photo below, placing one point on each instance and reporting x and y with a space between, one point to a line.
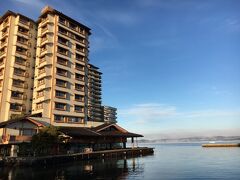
52 160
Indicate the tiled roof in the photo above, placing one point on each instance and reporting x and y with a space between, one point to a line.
78 131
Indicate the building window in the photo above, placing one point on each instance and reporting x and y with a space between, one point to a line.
2 61
79 87
61 72
62 61
41 60
72 26
59 118
43 38
21 50
62 51
75 119
61 94
29 132
41 82
22 30
79 97
79 38
17 95
16 107
41 70
44 28
80 57
19 72
62 20
79 77
3 41
62 41
79 67
60 106
62 31
43 48
18 83
40 93
39 106
79 48
24 20
78 108
61 83
21 40
20 60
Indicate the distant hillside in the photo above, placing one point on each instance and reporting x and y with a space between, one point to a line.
192 139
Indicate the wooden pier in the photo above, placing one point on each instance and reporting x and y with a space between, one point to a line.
52 160
221 145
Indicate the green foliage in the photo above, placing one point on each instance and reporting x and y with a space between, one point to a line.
46 141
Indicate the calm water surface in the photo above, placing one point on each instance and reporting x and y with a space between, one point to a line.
170 161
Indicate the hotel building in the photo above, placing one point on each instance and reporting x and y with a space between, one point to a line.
45 71
109 114
46 79
94 94
61 70
17 60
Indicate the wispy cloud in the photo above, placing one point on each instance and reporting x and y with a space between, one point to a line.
161 120
143 113
103 39
149 112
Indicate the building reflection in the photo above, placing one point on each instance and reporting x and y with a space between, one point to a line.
93 169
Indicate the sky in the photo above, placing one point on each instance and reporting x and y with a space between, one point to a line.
171 67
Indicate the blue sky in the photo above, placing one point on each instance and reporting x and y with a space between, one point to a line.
171 67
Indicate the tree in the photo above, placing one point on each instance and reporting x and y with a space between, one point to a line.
46 141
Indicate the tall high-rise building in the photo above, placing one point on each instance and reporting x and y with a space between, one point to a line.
109 114
61 70
17 60
45 70
94 94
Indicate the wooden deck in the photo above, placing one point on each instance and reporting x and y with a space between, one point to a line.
52 160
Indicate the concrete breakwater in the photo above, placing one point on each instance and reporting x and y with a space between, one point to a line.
52 160
221 145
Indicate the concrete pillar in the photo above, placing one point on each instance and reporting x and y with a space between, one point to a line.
132 142
124 145
14 151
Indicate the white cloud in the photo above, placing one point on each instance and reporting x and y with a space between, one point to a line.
143 113
148 112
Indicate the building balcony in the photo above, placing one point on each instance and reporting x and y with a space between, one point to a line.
46 60
44 21
5 24
23 22
40 98
2 54
3 43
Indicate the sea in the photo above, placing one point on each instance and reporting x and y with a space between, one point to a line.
169 161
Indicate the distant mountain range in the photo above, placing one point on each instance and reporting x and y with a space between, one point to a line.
192 139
